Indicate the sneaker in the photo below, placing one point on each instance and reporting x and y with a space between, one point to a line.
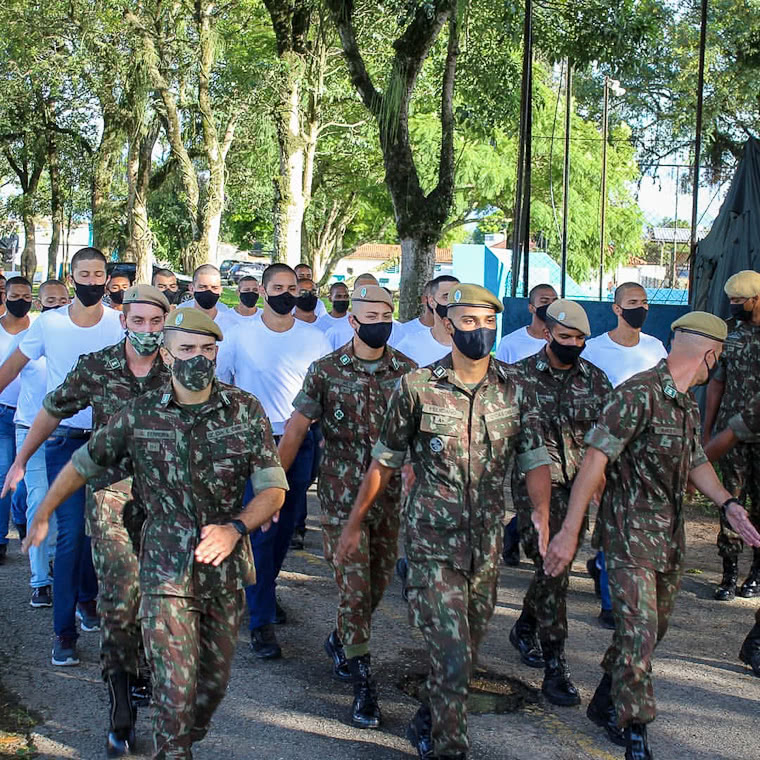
42 597
606 620
402 573
21 528
65 651
264 643
87 615
280 616
298 542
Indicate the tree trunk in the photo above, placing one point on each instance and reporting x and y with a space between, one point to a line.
56 204
417 265
29 254
106 159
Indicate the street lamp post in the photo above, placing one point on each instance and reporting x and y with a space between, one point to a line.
614 86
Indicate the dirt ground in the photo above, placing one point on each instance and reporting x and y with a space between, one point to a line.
291 709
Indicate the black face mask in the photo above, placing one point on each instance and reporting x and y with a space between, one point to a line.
172 296
541 311
374 334
89 295
19 308
739 312
206 299
116 296
249 298
441 310
475 344
566 354
307 302
340 306
635 317
282 303
48 308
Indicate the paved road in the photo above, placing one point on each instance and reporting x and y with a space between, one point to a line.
292 710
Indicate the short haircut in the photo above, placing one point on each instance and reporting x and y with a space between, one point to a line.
302 265
436 282
306 279
337 285
535 289
53 283
115 275
18 281
274 269
162 273
426 288
247 278
87 254
621 290
205 269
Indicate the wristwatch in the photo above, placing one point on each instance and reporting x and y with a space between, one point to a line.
239 526
725 504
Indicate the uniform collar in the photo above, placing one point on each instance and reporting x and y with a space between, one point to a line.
668 385
542 364
444 369
219 396
117 361
387 361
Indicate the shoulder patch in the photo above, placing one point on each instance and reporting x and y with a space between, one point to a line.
439 371
670 391
394 363
541 365
344 359
112 364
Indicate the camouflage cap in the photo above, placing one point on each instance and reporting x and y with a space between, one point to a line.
702 323
372 294
146 294
466 294
193 321
744 284
569 314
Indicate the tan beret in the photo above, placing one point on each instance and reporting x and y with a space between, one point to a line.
465 294
744 284
569 314
702 323
193 321
372 294
146 294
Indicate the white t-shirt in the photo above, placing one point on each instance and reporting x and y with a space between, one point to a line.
422 347
33 379
519 345
413 326
191 304
325 322
340 334
54 336
8 344
233 316
621 362
271 365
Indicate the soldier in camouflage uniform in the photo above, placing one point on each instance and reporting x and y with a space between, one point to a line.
647 439
347 392
736 379
569 393
106 380
461 419
191 445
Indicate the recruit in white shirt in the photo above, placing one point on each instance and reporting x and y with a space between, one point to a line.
33 379
8 344
325 322
422 347
519 345
622 362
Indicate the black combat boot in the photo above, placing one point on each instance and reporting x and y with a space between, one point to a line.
750 651
420 733
751 586
557 686
726 591
636 743
601 711
402 573
121 735
524 639
334 649
365 712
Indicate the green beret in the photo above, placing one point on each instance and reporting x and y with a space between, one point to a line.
193 321
146 294
744 284
569 314
372 294
466 294
702 323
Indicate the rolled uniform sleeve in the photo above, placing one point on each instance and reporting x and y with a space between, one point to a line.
623 417
72 395
265 467
308 401
530 448
398 429
108 446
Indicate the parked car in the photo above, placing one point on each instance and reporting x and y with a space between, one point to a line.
245 269
226 265
128 268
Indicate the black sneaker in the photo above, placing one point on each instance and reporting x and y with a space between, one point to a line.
42 597
607 620
298 542
596 574
21 528
87 615
65 651
3 553
264 643
280 616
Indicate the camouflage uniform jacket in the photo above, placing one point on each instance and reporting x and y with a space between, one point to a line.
350 404
569 403
650 433
739 369
190 469
460 441
746 424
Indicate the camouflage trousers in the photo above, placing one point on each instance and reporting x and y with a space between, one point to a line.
190 644
115 565
362 580
546 599
740 469
642 601
452 609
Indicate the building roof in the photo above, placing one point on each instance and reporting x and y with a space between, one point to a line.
673 234
382 252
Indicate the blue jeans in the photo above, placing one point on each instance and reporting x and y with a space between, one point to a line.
15 502
271 546
74 577
300 521
36 482
604 581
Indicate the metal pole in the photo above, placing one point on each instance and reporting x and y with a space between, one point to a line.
566 175
604 186
528 172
